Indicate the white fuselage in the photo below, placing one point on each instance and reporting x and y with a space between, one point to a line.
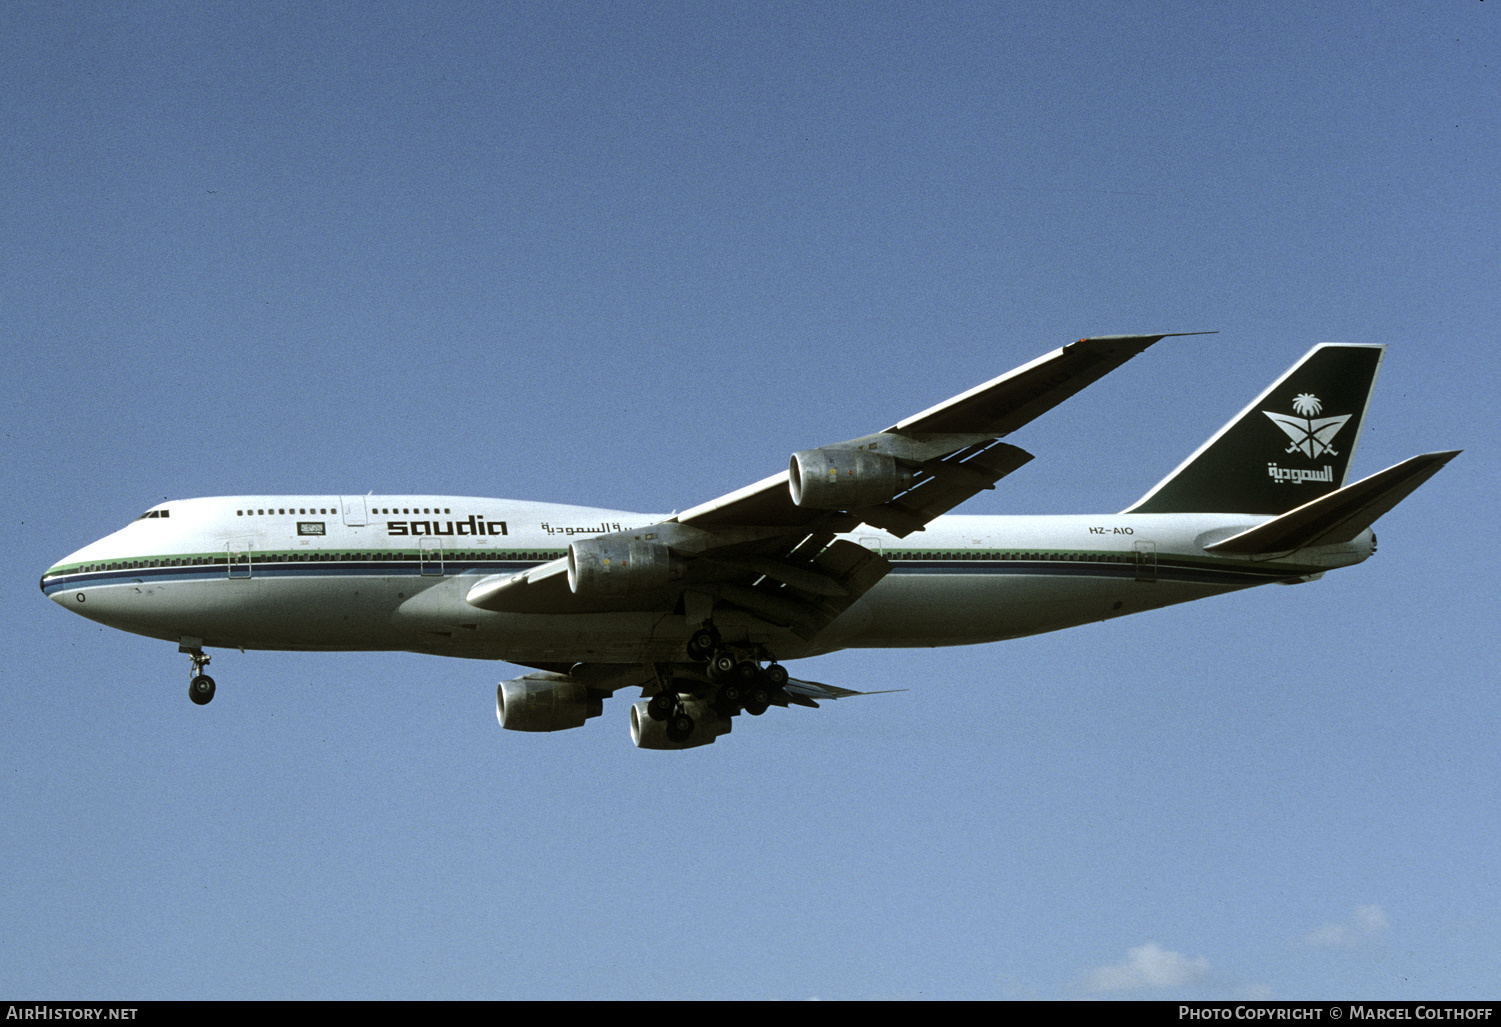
392 573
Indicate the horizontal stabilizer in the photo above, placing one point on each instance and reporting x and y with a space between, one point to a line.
1338 516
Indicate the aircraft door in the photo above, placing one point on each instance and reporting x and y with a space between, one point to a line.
430 555
1146 560
238 559
354 511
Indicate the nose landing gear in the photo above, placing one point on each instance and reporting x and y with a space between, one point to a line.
201 687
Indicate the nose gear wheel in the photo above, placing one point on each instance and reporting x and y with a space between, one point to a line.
200 685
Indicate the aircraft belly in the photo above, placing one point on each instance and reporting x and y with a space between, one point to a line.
254 613
409 613
366 612
962 609
439 620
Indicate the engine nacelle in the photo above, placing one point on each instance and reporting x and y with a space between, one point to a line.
543 701
708 725
615 567
845 479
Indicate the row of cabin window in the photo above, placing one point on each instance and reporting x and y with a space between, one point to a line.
310 510
176 561
309 557
314 557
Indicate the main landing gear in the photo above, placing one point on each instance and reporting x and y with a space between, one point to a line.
668 705
201 687
739 679
744 682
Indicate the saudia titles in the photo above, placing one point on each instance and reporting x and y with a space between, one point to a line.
475 525
1312 436
1297 476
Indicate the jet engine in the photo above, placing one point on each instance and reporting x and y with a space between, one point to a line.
613 567
543 701
845 479
708 724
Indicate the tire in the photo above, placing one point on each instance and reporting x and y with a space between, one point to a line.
721 666
679 728
701 644
201 690
661 705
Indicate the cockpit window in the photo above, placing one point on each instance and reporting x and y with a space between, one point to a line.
154 513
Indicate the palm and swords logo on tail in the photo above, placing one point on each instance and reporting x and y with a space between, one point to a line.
1313 437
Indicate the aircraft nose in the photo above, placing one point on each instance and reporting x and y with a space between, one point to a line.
55 584
51 583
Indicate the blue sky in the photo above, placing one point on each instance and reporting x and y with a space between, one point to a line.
632 255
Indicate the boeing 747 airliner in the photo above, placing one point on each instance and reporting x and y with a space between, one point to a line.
851 546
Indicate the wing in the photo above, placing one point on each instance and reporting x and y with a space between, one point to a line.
948 440
770 548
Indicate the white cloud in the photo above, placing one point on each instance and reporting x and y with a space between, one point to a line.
1371 919
1149 966
1366 924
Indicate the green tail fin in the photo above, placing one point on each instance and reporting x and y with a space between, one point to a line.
1292 445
